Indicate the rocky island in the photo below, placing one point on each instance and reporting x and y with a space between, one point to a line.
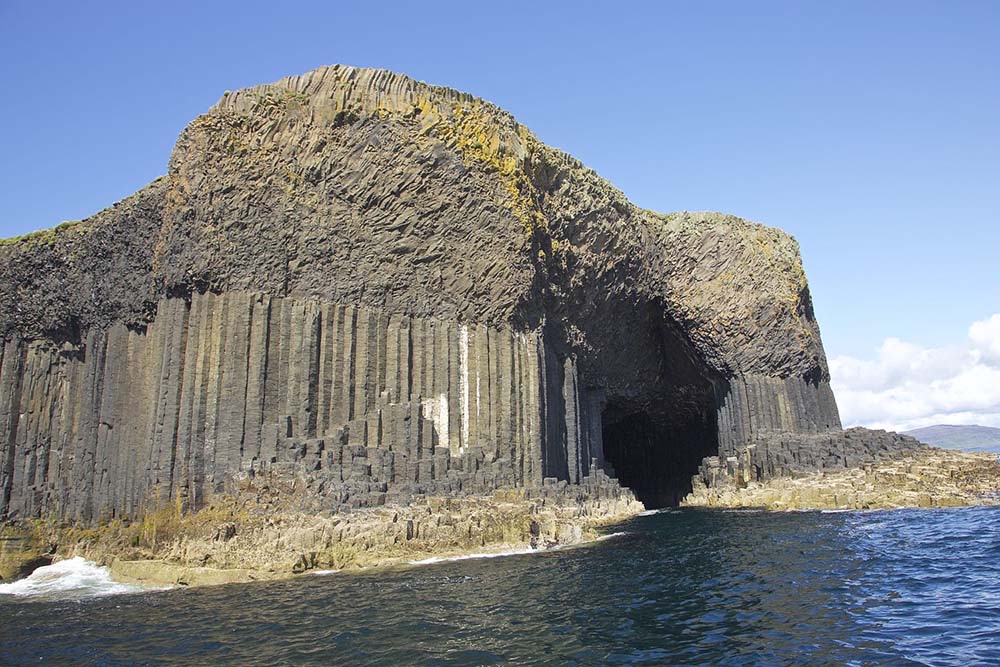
363 320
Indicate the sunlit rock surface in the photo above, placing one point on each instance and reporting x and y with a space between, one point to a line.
397 288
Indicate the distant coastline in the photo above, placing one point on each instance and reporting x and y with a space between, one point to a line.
968 438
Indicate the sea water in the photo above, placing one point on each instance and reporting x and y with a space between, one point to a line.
909 587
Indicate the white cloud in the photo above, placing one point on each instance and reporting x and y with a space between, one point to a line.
985 338
908 386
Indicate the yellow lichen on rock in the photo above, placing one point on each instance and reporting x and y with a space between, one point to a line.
474 132
928 478
259 532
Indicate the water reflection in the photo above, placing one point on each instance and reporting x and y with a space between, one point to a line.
690 587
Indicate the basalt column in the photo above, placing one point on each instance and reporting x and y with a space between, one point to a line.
216 384
398 287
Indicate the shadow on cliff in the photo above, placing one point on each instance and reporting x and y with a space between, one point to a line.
656 459
658 419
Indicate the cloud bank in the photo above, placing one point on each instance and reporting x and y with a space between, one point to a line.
908 386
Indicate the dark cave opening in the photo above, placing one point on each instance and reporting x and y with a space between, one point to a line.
656 458
656 395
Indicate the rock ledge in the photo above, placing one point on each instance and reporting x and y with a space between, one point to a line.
925 477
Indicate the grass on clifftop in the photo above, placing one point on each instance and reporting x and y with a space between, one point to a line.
42 236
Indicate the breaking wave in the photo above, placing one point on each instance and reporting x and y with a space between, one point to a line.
71 578
662 510
608 536
495 554
512 552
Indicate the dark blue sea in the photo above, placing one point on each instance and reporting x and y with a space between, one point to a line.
682 587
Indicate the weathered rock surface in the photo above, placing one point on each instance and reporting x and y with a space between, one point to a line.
400 285
366 187
786 454
269 527
899 472
21 551
380 407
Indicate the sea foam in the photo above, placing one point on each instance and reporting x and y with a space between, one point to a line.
608 536
70 578
496 554
513 552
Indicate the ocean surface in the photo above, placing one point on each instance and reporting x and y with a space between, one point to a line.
911 587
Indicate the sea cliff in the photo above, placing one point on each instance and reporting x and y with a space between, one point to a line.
397 291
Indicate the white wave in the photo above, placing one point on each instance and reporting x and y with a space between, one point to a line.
608 536
72 578
513 552
844 510
662 510
491 554
587 543
323 573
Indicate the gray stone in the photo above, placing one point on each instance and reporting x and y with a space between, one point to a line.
430 281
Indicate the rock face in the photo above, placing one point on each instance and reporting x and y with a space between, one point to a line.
270 526
772 455
896 474
399 286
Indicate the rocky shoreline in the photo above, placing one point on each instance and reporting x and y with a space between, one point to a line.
266 528
925 477
260 531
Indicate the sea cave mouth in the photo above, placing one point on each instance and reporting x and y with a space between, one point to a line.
655 456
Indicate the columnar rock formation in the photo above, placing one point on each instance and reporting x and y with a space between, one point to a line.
397 284
236 382
852 469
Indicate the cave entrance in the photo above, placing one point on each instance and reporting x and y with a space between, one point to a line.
656 458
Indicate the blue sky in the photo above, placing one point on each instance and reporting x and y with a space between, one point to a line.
868 130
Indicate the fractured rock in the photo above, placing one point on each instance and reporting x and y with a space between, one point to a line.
395 290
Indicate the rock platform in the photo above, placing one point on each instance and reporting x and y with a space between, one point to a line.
924 477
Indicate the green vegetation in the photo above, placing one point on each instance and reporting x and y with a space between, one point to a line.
42 236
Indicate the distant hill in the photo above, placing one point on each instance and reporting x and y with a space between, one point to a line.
966 438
